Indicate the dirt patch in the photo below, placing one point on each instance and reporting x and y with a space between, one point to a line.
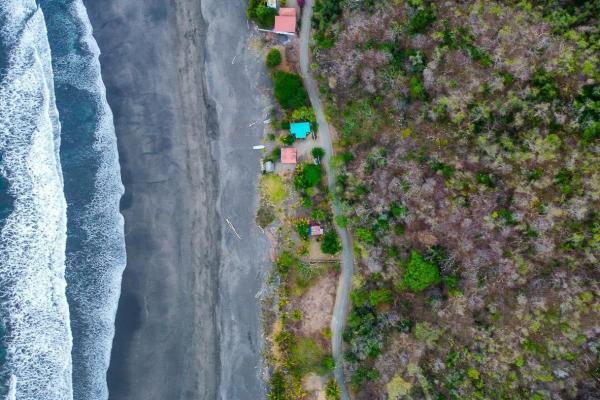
315 386
316 305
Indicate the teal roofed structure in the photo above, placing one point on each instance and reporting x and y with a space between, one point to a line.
300 130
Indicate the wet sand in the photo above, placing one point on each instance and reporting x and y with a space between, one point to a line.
188 318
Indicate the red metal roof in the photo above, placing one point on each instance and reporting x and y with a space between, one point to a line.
289 155
287 12
285 24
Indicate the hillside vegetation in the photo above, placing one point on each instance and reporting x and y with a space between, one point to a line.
469 171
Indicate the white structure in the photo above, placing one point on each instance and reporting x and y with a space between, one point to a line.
272 3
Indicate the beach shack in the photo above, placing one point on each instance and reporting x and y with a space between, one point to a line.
285 22
289 155
315 229
300 130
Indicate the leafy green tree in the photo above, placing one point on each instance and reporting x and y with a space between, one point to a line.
273 57
330 243
289 90
420 273
318 152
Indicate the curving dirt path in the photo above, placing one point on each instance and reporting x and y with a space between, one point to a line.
342 298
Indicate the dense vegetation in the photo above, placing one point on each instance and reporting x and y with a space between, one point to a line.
469 172
289 90
302 284
258 12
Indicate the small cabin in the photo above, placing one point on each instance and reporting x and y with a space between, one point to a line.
315 229
285 22
289 155
300 130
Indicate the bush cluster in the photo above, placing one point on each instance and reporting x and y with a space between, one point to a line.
289 90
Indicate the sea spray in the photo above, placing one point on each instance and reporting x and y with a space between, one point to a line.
33 306
95 254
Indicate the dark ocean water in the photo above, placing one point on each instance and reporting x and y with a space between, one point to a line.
62 249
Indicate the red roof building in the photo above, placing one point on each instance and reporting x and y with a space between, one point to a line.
315 230
289 155
287 12
285 22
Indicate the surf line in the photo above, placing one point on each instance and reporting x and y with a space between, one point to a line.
233 228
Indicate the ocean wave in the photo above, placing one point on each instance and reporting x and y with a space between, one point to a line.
95 256
33 305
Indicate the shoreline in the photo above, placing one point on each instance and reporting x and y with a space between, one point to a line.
188 321
236 78
152 59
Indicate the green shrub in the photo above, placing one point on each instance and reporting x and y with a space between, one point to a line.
289 90
365 235
265 215
485 178
329 363
304 114
284 262
307 176
422 18
446 170
330 242
587 104
273 57
303 229
317 153
426 333
417 90
277 387
380 296
360 120
288 140
332 390
420 273
363 375
545 88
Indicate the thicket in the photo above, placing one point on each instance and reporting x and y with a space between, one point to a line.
325 14
273 58
307 176
420 273
258 12
330 242
289 90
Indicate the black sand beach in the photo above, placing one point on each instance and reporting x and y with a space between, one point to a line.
188 319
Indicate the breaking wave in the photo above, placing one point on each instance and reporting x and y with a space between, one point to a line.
62 248
95 253
33 305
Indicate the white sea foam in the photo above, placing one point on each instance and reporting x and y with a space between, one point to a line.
32 239
102 258
12 388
